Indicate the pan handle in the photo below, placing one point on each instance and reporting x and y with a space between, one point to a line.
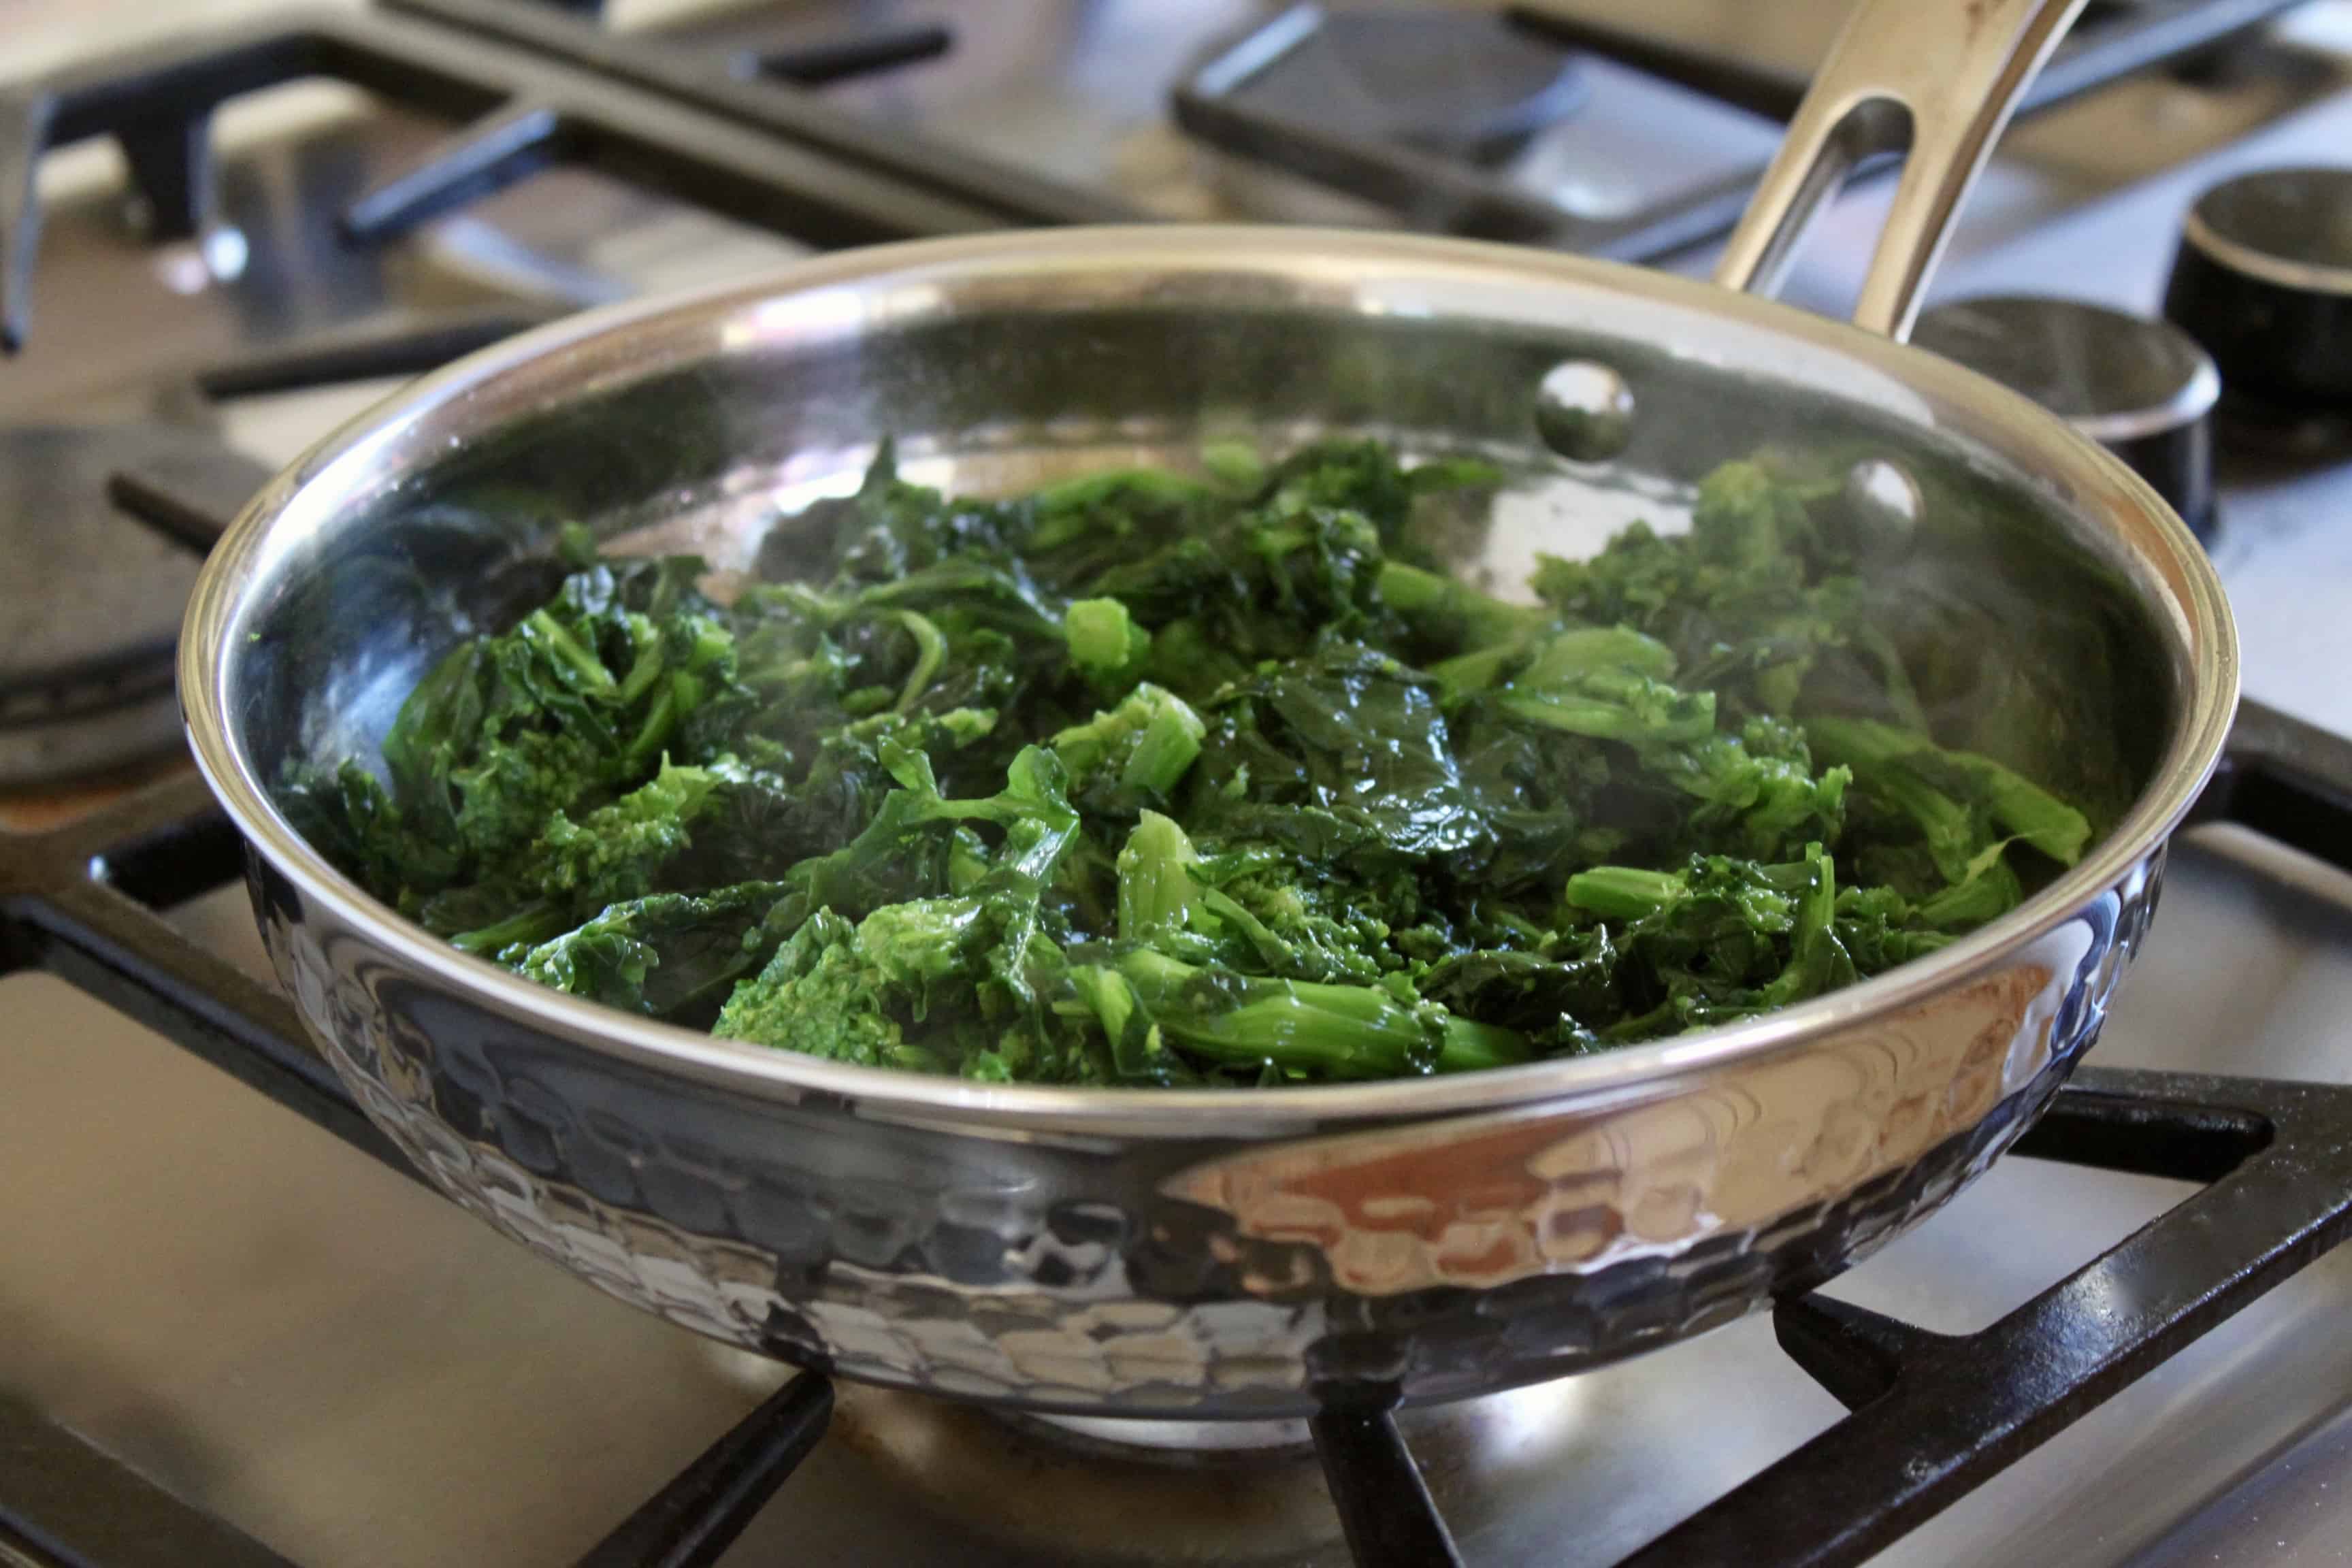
1935 79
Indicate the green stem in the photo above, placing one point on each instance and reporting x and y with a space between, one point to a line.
930 651
1337 1031
1624 892
566 647
533 923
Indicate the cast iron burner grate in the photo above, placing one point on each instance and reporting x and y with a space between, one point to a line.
1931 1416
762 148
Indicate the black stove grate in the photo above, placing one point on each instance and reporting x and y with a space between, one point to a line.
766 151
771 97
1931 1414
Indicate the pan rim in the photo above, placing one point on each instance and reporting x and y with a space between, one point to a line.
2194 611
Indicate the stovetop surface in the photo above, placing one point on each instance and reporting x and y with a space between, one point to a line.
357 1373
238 1306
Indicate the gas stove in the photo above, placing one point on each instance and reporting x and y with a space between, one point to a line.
228 1336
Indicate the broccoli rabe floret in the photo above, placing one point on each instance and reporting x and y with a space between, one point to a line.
1105 642
864 993
1722 939
616 851
1246 909
1138 751
818 997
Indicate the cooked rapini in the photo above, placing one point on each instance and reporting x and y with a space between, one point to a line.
1145 779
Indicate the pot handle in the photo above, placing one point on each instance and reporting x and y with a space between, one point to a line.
1935 79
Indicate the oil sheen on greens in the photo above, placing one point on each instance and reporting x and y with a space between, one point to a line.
1151 780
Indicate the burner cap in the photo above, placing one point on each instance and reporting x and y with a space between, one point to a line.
89 605
2143 389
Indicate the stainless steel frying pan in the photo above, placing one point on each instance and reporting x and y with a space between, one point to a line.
1225 1254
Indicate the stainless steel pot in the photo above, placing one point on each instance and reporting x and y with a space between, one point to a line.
1216 1253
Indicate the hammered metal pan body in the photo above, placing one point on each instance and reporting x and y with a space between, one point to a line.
1179 1253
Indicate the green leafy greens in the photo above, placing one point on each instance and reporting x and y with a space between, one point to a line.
1149 780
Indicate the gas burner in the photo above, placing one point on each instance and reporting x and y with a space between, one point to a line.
93 611
1072 1489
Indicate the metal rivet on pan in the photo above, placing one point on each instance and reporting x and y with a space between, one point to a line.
1584 411
1883 501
